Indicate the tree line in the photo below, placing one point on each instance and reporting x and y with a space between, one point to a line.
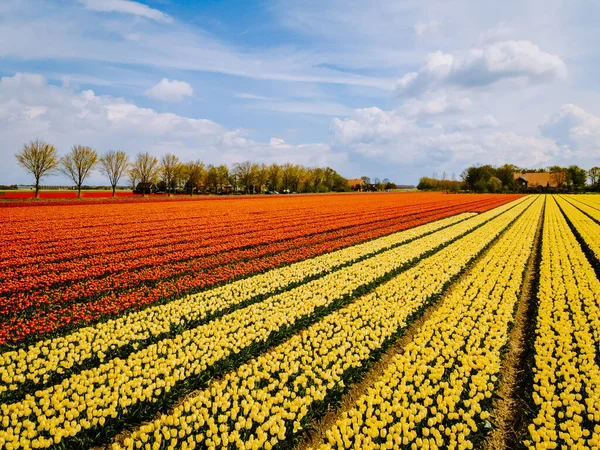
146 173
492 179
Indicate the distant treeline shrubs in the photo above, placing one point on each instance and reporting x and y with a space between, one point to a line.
148 174
511 178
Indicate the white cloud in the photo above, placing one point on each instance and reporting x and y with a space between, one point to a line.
395 138
425 27
436 103
31 108
170 90
578 129
127 7
370 125
38 30
484 66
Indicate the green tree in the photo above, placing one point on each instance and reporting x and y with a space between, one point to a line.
261 176
576 177
594 176
222 176
494 185
506 174
39 158
245 174
274 178
212 178
195 175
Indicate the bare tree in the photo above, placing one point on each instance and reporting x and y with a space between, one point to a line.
39 158
146 167
113 165
78 163
133 176
169 167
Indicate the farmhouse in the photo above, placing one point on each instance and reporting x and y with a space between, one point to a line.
536 179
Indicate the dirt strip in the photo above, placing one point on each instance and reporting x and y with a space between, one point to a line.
510 408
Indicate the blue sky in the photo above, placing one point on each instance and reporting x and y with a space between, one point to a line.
396 89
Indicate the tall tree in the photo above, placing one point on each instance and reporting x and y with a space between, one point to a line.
147 168
39 158
113 165
289 177
494 184
195 175
222 176
274 177
245 174
558 175
261 176
576 177
317 177
168 170
78 163
133 176
212 178
506 174
594 176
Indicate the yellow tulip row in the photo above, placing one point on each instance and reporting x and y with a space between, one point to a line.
436 394
566 386
588 206
36 364
273 397
121 388
586 227
592 200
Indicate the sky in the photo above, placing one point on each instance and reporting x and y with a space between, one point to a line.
394 89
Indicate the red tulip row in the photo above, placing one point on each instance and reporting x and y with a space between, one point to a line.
81 263
116 233
162 250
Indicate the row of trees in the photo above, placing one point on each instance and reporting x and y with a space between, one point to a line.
377 184
488 178
169 174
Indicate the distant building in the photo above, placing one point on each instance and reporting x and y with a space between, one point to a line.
355 185
532 180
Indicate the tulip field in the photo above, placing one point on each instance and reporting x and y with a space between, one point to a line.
350 321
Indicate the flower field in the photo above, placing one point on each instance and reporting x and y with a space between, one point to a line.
332 322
